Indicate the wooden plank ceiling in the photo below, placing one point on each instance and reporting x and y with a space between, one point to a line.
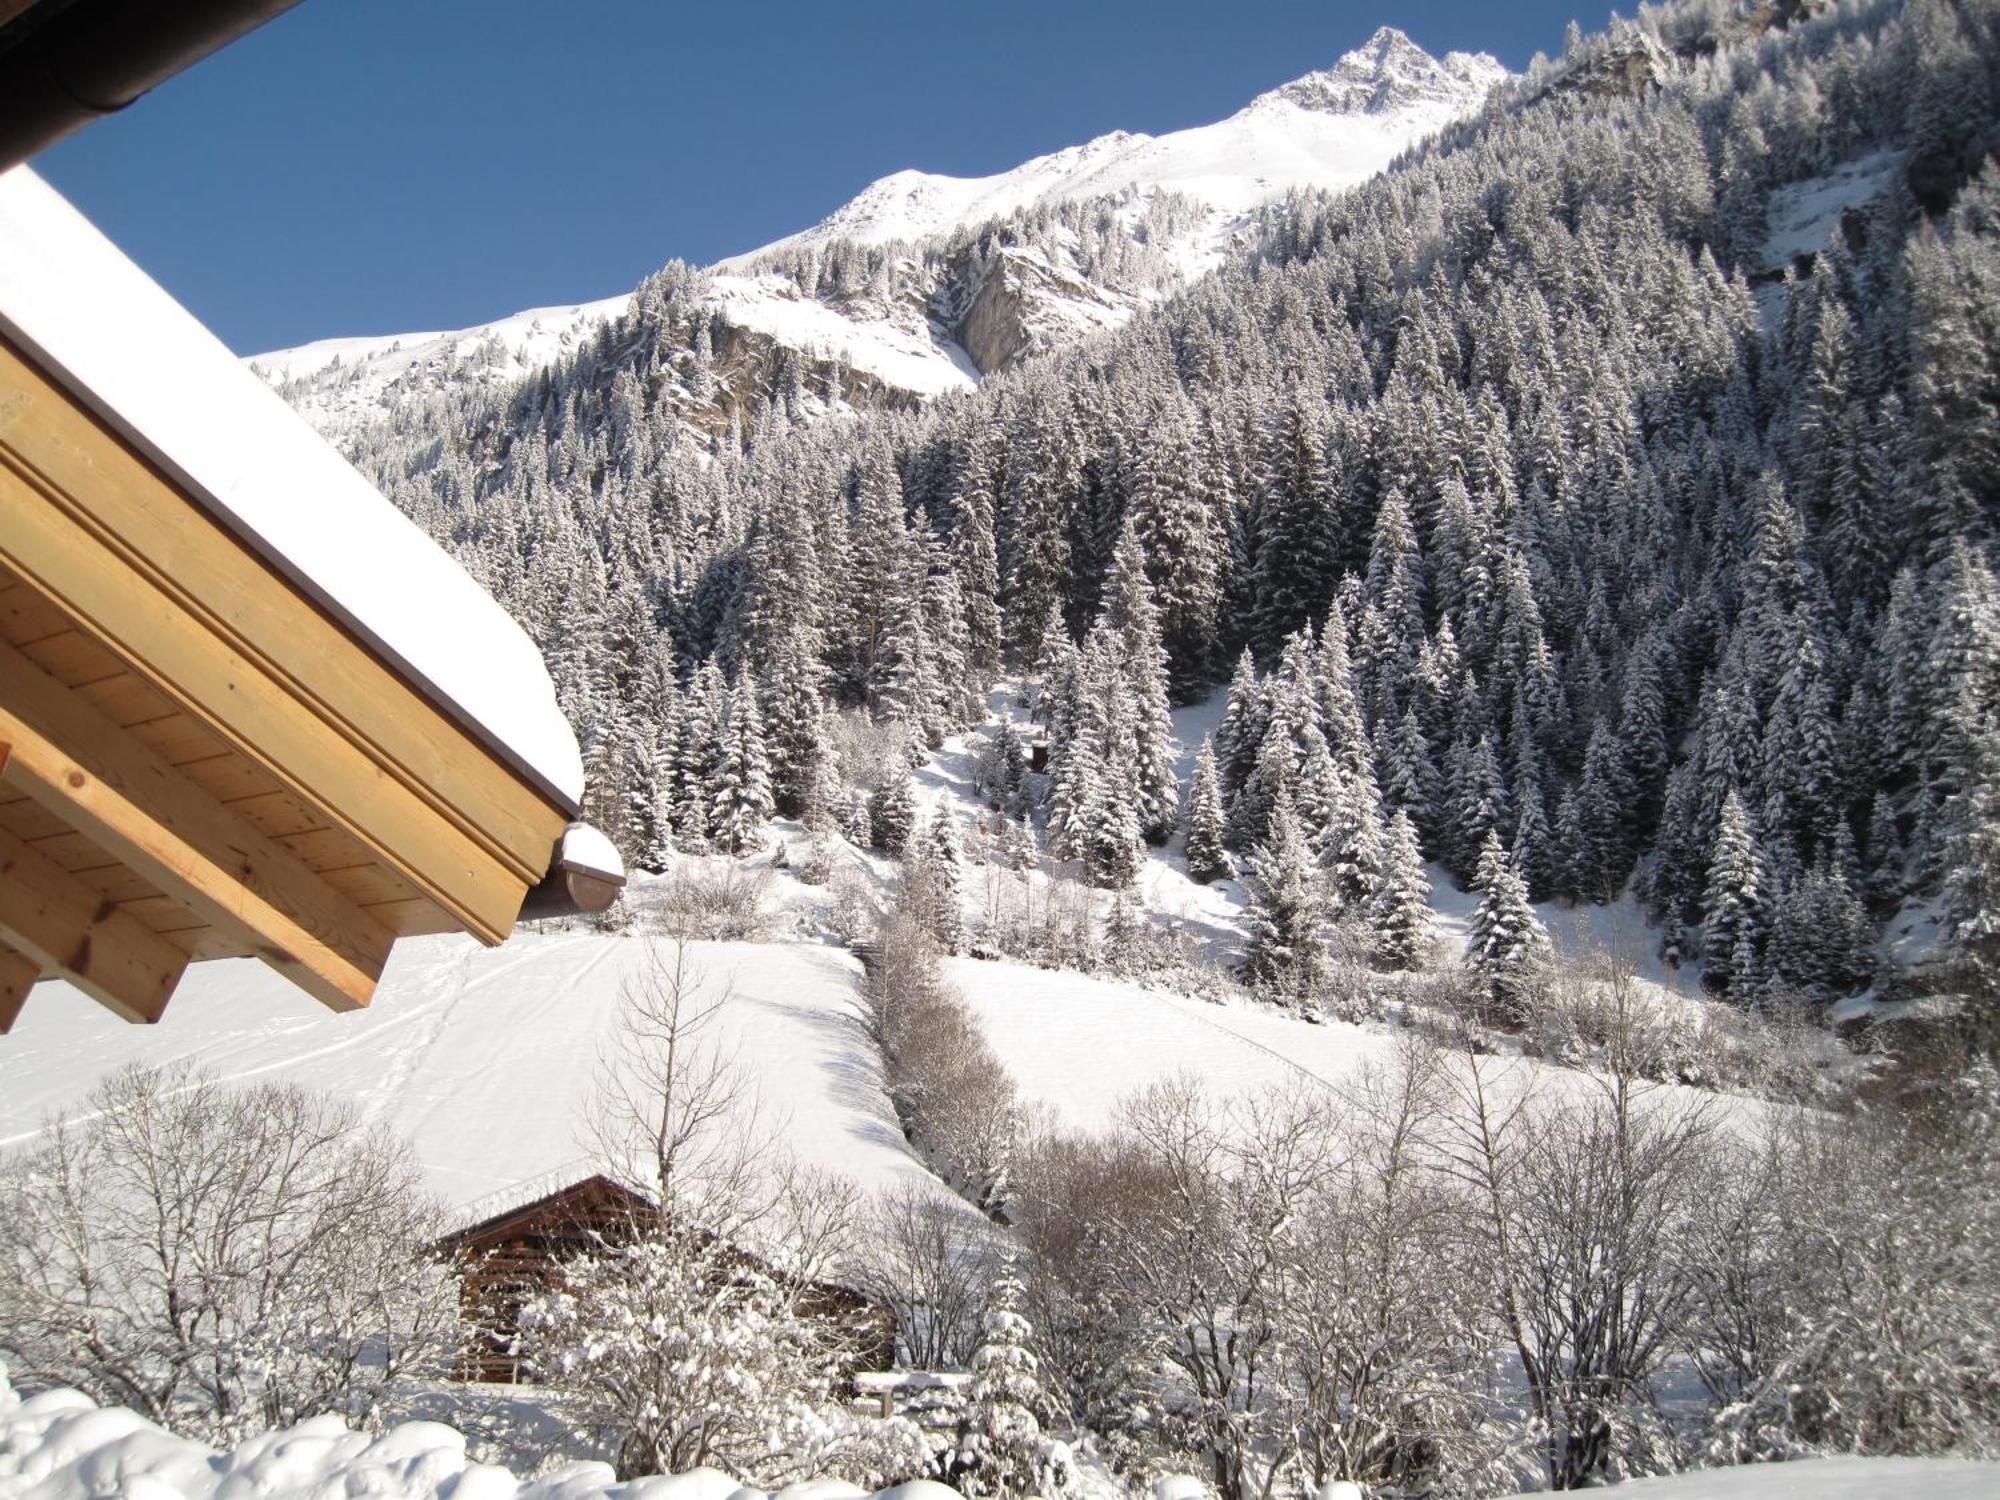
196 762
45 651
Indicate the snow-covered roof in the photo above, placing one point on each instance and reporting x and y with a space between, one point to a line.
123 347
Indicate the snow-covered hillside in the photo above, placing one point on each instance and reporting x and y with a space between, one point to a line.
947 317
336 382
1329 129
486 1060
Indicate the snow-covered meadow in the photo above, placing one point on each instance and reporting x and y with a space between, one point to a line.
486 1060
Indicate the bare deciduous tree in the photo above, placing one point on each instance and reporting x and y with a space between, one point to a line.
222 1260
1384 1376
1584 1208
929 1265
701 1335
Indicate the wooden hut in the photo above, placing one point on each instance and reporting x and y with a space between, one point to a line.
519 1251
246 706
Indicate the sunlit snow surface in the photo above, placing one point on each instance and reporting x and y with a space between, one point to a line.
58 1445
486 1060
1825 1479
1330 129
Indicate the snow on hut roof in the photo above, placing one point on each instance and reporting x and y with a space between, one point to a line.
138 359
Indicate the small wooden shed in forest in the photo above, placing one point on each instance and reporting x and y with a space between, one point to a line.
247 707
519 1252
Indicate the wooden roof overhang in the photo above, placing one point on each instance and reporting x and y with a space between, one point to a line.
197 759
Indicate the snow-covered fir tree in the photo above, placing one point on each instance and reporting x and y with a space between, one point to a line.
1400 912
1001 1449
1285 952
937 858
1207 856
892 813
1734 913
1509 947
1613 511
740 782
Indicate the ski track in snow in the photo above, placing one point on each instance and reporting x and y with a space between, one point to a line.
487 1061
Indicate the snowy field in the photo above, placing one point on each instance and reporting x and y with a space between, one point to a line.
486 1059
1825 1479
1077 1046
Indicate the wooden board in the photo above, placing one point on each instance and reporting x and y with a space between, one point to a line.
142 570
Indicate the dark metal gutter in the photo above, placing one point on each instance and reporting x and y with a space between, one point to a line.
65 63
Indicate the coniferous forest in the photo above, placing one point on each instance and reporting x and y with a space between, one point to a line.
1524 508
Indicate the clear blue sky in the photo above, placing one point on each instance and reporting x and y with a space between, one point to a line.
378 166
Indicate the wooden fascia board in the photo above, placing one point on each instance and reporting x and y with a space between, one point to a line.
62 926
101 533
136 807
17 976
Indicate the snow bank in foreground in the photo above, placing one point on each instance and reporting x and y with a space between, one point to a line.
62 1446
1825 1479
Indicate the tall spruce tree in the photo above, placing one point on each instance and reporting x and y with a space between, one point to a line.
1207 854
1510 947
740 801
1286 952
1734 909
1400 912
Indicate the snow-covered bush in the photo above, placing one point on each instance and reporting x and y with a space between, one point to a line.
222 1259
59 1445
1848 1283
715 900
677 1351
955 1098
928 1267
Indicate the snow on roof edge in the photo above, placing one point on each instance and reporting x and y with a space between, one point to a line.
124 347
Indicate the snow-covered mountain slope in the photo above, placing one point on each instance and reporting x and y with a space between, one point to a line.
1329 129
944 306
337 382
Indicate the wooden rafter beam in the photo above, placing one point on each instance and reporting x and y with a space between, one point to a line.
108 786
137 565
17 977
53 919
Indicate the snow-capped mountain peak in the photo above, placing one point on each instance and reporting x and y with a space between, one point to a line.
953 314
1387 73
1329 129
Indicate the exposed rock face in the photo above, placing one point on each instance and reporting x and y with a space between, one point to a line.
1773 14
1630 66
1006 306
994 327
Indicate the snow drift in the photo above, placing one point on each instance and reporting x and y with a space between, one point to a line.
60 1445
